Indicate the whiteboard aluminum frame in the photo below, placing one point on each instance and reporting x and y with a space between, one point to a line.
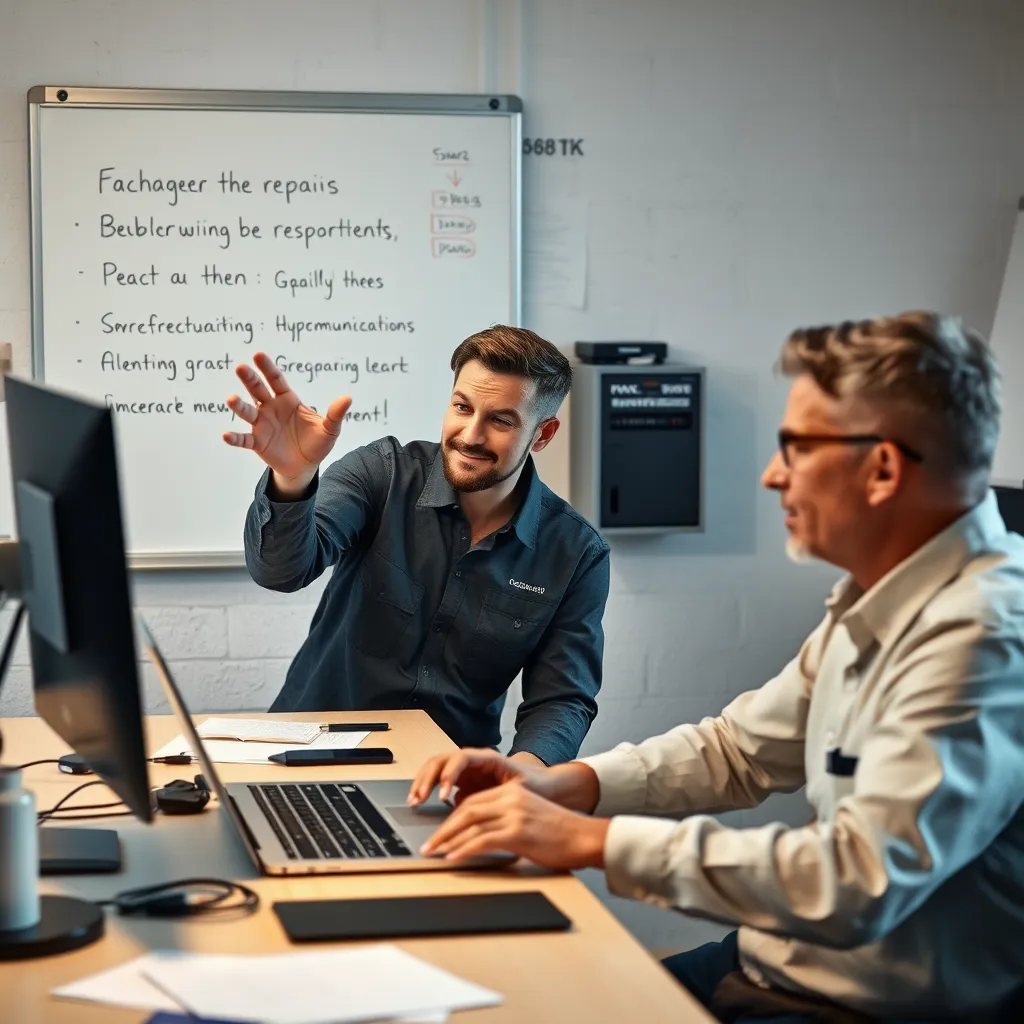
44 96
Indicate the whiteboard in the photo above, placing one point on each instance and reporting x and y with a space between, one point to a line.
1008 345
357 239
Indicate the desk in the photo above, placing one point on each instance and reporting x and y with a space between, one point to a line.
595 973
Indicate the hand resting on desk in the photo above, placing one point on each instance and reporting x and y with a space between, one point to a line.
505 805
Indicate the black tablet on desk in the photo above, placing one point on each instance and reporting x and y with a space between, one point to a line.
406 916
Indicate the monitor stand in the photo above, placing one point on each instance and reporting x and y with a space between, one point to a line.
65 923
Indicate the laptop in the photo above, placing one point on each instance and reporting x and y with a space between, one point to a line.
313 828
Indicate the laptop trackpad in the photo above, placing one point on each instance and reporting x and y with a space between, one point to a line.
418 823
425 816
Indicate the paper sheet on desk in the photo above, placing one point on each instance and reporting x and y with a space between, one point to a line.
340 986
120 986
129 987
254 752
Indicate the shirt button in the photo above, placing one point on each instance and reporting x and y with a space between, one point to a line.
517 623
437 629
426 671
458 574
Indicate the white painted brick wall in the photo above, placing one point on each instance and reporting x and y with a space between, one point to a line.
267 632
184 632
750 165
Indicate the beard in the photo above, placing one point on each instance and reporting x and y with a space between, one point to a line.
798 553
468 484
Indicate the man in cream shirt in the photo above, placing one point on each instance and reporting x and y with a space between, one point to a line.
902 714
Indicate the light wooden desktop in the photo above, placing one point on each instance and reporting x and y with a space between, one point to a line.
597 972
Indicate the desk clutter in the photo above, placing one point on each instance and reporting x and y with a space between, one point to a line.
372 983
258 751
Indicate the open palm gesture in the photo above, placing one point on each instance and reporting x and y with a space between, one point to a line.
289 436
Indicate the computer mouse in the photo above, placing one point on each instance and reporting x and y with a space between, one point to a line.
182 797
73 764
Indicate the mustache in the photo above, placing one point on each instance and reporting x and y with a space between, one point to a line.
476 451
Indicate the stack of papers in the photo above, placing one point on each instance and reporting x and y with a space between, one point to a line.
251 752
347 986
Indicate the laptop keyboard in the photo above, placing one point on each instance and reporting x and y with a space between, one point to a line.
327 821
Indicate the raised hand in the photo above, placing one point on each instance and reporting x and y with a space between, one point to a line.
290 437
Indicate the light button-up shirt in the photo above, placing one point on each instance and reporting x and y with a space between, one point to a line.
903 714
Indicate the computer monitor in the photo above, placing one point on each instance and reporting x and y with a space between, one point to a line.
74 583
68 568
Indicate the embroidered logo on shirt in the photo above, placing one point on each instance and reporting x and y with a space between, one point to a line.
526 586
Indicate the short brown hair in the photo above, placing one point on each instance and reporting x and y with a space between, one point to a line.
931 365
517 351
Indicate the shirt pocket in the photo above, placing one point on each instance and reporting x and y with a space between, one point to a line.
508 629
832 787
388 600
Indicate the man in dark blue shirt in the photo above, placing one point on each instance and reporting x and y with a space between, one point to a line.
455 567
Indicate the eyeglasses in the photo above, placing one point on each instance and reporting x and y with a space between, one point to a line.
790 437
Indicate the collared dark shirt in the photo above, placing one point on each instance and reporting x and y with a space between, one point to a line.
415 617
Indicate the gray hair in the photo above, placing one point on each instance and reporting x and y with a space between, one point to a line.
928 365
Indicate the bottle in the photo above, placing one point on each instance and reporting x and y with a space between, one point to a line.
19 854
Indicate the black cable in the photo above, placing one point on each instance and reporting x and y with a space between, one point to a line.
172 899
85 807
60 815
43 815
169 759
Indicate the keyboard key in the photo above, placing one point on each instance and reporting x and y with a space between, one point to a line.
355 824
314 822
342 836
375 820
286 844
305 847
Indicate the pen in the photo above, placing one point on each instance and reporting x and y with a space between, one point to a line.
356 727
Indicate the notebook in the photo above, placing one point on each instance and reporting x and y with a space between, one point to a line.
259 730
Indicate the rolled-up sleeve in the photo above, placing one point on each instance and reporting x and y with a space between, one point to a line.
938 778
288 544
562 677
